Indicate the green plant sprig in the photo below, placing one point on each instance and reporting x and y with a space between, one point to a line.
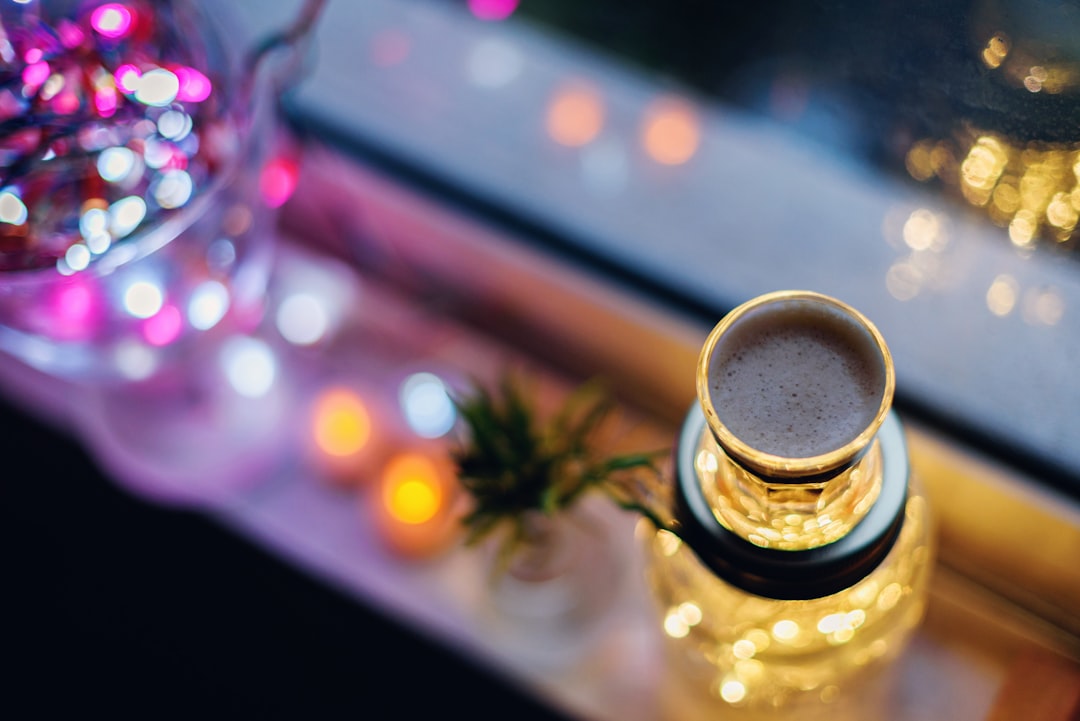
512 462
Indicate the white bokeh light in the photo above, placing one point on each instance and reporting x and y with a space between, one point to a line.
142 298
208 305
125 215
157 87
426 405
302 319
115 164
77 257
12 209
250 366
173 189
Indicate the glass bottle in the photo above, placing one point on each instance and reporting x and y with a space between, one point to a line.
788 581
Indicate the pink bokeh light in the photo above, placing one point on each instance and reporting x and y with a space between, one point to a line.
35 74
127 78
492 9
105 101
112 20
278 181
163 327
194 86
74 310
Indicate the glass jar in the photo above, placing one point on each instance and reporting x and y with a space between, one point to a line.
789 581
141 179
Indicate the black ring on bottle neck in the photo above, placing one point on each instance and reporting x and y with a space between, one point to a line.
782 574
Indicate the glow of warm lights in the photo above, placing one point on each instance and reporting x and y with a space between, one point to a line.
111 20
414 505
733 691
671 133
1001 296
1044 307
492 9
341 423
995 51
575 115
1032 190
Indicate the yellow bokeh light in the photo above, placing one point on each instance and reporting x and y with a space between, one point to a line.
672 132
575 116
341 423
732 691
785 630
921 230
691 613
743 649
412 491
675 625
1001 296
995 51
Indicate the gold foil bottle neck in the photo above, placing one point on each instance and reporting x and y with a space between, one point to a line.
792 500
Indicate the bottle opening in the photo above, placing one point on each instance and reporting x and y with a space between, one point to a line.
795 382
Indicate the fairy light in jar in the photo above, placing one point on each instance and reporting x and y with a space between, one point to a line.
113 105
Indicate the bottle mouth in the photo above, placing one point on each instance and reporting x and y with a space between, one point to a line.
795 384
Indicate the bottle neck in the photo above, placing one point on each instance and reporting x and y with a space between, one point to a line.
788 515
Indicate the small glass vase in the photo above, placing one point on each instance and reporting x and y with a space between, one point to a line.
548 598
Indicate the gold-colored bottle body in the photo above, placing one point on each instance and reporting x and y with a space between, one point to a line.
790 583
748 651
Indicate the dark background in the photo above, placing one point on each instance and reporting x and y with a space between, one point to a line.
111 604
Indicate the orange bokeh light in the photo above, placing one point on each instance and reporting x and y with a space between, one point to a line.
341 423
575 115
417 509
672 132
412 489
